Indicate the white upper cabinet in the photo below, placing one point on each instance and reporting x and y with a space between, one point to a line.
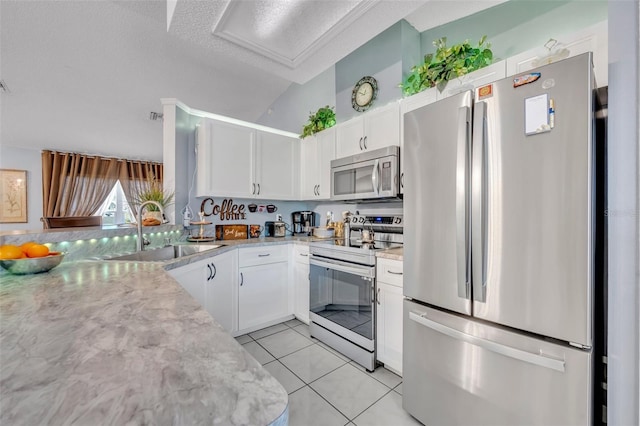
276 167
316 153
375 129
224 157
593 39
474 79
239 161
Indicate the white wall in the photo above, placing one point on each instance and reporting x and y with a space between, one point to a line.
29 160
623 405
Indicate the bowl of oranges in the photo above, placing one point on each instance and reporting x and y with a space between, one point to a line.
29 258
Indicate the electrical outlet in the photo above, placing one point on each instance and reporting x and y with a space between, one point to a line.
279 217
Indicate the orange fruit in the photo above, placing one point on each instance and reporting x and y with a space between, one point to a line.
9 251
26 246
37 250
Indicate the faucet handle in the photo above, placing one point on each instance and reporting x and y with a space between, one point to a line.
167 241
145 242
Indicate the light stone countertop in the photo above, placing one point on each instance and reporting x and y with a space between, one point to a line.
394 253
95 342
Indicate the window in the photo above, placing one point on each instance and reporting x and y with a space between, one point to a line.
116 210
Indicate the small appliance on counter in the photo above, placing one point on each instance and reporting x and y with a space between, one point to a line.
274 229
303 222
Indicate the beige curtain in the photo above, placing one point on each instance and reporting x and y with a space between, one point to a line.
76 184
135 177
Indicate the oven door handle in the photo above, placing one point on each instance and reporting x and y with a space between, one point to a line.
363 271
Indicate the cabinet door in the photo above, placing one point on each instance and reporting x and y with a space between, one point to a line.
191 278
474 79
221 296
389 326
301 284
309 167
382 127
593 39
326 151
276 162
349 137
263 295
224 157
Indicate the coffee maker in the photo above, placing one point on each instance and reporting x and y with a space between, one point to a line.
303 222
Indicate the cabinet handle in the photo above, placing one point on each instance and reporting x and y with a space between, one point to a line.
378 297
402 180
209 267
364 142
241 279
253 191
304 254
215 271
264 255
393 273
360 143
318 190
258 189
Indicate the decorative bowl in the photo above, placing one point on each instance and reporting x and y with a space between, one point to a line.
33 265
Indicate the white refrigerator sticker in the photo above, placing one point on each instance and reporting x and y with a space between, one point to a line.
536 114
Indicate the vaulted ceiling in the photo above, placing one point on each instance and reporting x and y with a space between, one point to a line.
83 75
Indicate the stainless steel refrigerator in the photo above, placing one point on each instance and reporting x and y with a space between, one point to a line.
499 252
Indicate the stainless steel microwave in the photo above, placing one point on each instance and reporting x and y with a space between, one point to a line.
367 176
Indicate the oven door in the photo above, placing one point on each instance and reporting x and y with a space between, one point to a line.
376 178
341 299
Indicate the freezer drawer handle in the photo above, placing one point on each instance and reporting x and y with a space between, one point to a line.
508 351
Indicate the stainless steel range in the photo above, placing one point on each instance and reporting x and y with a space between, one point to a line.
343 285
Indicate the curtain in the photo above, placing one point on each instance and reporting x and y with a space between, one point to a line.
77 184
135 177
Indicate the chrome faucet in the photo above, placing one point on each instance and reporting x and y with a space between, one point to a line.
141 240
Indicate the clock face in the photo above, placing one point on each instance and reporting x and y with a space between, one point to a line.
364 93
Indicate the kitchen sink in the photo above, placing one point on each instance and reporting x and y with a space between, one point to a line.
168 253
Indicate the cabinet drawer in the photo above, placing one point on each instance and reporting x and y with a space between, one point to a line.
263 255
301 253
389 271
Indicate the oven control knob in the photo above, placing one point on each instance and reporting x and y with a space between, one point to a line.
397 220
354 219
362 220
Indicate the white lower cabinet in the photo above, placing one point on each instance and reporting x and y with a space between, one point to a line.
263 294
212 282
301 283
389 314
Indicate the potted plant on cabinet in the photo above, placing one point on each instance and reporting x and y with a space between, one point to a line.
322 119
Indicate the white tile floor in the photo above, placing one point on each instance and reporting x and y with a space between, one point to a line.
326 388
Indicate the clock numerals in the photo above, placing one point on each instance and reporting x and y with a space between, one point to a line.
364 93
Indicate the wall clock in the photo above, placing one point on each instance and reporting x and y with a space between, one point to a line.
364 93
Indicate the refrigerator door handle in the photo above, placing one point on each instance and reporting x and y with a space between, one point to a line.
479 190
508 351
462 203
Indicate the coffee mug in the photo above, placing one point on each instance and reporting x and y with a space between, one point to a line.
271 208
252 207
255 230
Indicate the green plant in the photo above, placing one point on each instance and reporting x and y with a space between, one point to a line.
151 190
446 64
323 119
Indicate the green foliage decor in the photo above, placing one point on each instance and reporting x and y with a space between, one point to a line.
446 64
151 190
323 119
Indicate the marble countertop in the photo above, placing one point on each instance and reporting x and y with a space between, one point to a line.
394 253
94 342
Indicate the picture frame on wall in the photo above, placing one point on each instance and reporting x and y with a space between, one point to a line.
13 196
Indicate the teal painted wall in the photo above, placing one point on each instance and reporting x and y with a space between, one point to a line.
519 25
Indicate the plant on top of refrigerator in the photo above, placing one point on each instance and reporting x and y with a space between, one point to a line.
446 64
